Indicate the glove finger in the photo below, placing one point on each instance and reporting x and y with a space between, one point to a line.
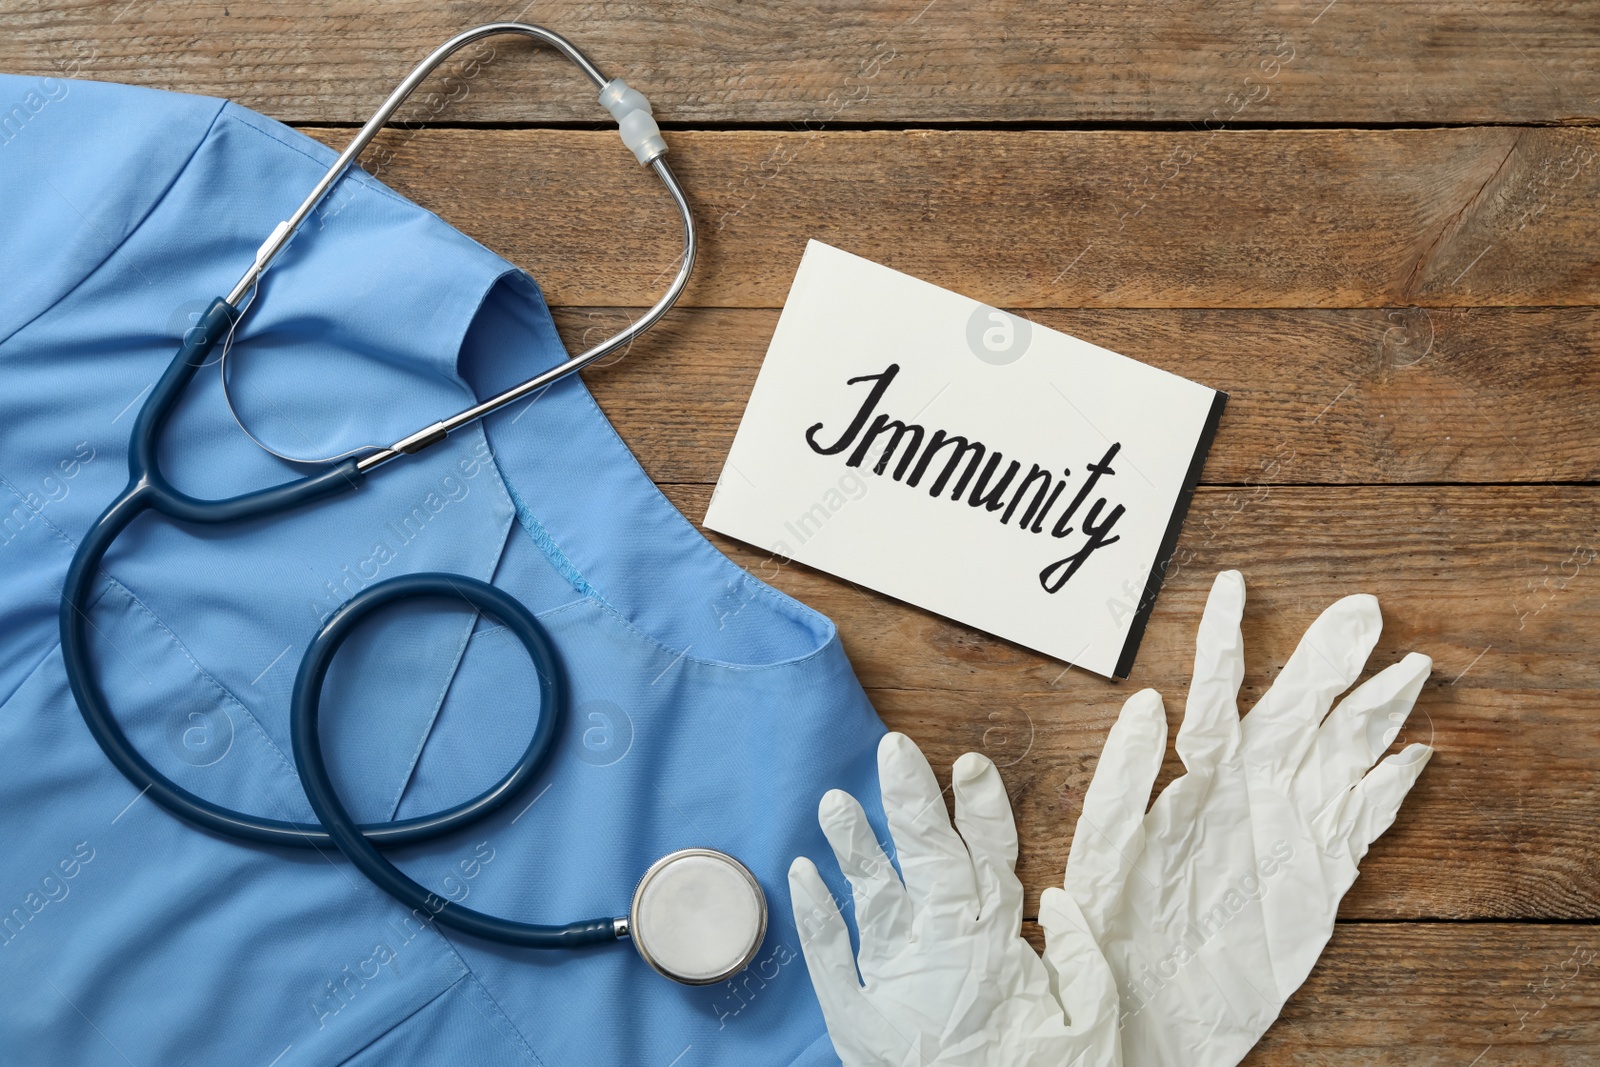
1373 804
1211 716
983 816
933 859
1110 833
1328 659
883 910
1358 731
825 942
1080 977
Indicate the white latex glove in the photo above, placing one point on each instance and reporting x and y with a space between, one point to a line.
946 977
1213 907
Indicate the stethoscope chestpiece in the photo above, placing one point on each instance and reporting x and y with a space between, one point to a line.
698 916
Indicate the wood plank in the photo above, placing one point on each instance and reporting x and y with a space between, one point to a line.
896 61
1496 584
1501 825
1334 281
1441 995
1458 569
1315 396
1039 219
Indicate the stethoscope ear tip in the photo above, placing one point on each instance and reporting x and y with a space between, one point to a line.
698 916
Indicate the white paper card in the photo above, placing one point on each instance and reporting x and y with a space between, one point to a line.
965 460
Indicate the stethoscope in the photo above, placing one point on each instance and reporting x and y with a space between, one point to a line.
697 915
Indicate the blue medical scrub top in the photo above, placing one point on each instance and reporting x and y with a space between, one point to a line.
707 709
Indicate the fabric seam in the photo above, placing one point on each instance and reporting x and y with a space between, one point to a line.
468 635
39 514
433 718
546 544
247 118
72 547
827 632
230 697
222 106
780 601
205 675
412 1014
522 1038
110 582
499 482
6 700
679 654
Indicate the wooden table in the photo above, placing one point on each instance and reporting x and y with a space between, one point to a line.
1372 222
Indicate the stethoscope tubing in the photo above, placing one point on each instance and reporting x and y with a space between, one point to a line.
148 490
352 840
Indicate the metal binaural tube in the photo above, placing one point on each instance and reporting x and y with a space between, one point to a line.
432 434
286 229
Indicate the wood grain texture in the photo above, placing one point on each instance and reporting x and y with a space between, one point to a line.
1404 319
1499 827
1433 995
1497 585
1458 569
892 61
1040 219
1363 396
